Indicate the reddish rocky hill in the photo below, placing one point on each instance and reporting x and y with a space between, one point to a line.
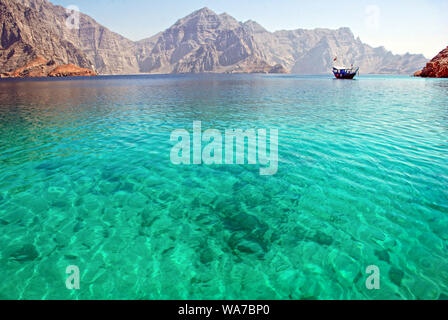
41 67
437 67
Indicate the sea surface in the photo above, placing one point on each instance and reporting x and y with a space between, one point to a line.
86 180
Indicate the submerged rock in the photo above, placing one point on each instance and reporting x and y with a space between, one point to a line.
244 222
244 244
26 253
300 233
383 255
250 247
206 256
396 276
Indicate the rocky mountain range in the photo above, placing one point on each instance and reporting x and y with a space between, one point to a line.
201 42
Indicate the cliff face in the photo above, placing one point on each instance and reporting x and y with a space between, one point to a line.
32 28
437 67
312 51
205 42
201 42
25 35
109 52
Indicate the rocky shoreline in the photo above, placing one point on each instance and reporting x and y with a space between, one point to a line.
436 68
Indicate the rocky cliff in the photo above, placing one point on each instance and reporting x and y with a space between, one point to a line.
207 42
437 67
201 42
312 51
31 28
25 35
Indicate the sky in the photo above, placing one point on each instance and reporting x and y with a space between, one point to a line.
414 26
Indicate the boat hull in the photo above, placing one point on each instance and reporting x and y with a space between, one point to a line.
348 74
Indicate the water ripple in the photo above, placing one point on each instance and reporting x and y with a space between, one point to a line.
85 179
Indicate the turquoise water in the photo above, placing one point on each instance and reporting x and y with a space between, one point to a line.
86 180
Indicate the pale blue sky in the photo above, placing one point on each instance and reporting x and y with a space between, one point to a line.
416 26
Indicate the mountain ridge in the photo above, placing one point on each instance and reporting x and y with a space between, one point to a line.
200 42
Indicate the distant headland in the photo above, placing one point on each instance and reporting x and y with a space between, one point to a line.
437 67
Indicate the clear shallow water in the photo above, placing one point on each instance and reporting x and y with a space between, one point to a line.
86 179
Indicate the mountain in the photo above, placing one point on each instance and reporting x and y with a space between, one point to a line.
205 42
312 51
200 42
25 35
437 67
32 28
